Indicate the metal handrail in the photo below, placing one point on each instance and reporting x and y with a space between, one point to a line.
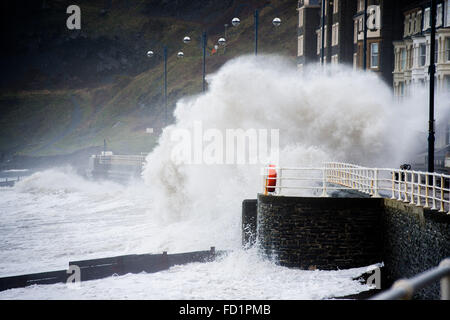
426 189
405 288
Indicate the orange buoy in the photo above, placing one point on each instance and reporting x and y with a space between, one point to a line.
271 179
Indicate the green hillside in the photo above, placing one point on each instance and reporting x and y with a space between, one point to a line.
98 83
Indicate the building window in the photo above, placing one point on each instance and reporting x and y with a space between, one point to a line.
334 59
374 56
436 51
418 22
300 17
447 14
335 6
439 15
406 26
402 59
335 34
355 61
426 19
360 5
422 54
355 32
401 89
447 48
319 41
300 46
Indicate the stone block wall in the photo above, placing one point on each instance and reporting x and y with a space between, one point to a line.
414 240
322 233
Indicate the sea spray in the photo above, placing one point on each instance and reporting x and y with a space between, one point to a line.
321 114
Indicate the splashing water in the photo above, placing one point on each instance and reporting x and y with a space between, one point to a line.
55 216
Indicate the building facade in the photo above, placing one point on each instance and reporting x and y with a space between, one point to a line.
412 57
344 33
308 19
412 52
398 42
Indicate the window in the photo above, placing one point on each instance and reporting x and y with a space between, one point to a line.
300 46
418 22
355 61
426 19
411 24
374 57
406 31
447 48
355 32
439 15
335 34
334 59
402 59
401 89
436 51
335 6
300 17
319 40
447 14
411 57
360 5
422 54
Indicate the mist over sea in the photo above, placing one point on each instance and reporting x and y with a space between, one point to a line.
55 216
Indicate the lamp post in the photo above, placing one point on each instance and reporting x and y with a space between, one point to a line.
432 71
204 40
150 54
276 22
322 52
365 37
225 35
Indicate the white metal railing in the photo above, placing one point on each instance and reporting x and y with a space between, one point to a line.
121 159
405 288
430 190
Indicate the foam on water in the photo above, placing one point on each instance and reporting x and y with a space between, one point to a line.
55 216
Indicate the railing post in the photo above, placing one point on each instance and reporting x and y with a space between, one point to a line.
375 180
393 185
324 183
445 281
264 181
399 186
412 188
427 204
279 181
419 190
406 186
442 194
434 193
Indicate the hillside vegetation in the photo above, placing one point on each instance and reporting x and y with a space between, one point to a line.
64 91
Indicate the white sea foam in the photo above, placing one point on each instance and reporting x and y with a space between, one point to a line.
55 216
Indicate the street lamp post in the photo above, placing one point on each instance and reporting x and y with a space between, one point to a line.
165 85
256 15
324 2
204 61
276 22
180 55
365 36
432 71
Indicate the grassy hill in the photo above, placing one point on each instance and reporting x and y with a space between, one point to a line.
64 91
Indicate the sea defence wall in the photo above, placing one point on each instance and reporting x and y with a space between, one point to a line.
414 240
338 233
